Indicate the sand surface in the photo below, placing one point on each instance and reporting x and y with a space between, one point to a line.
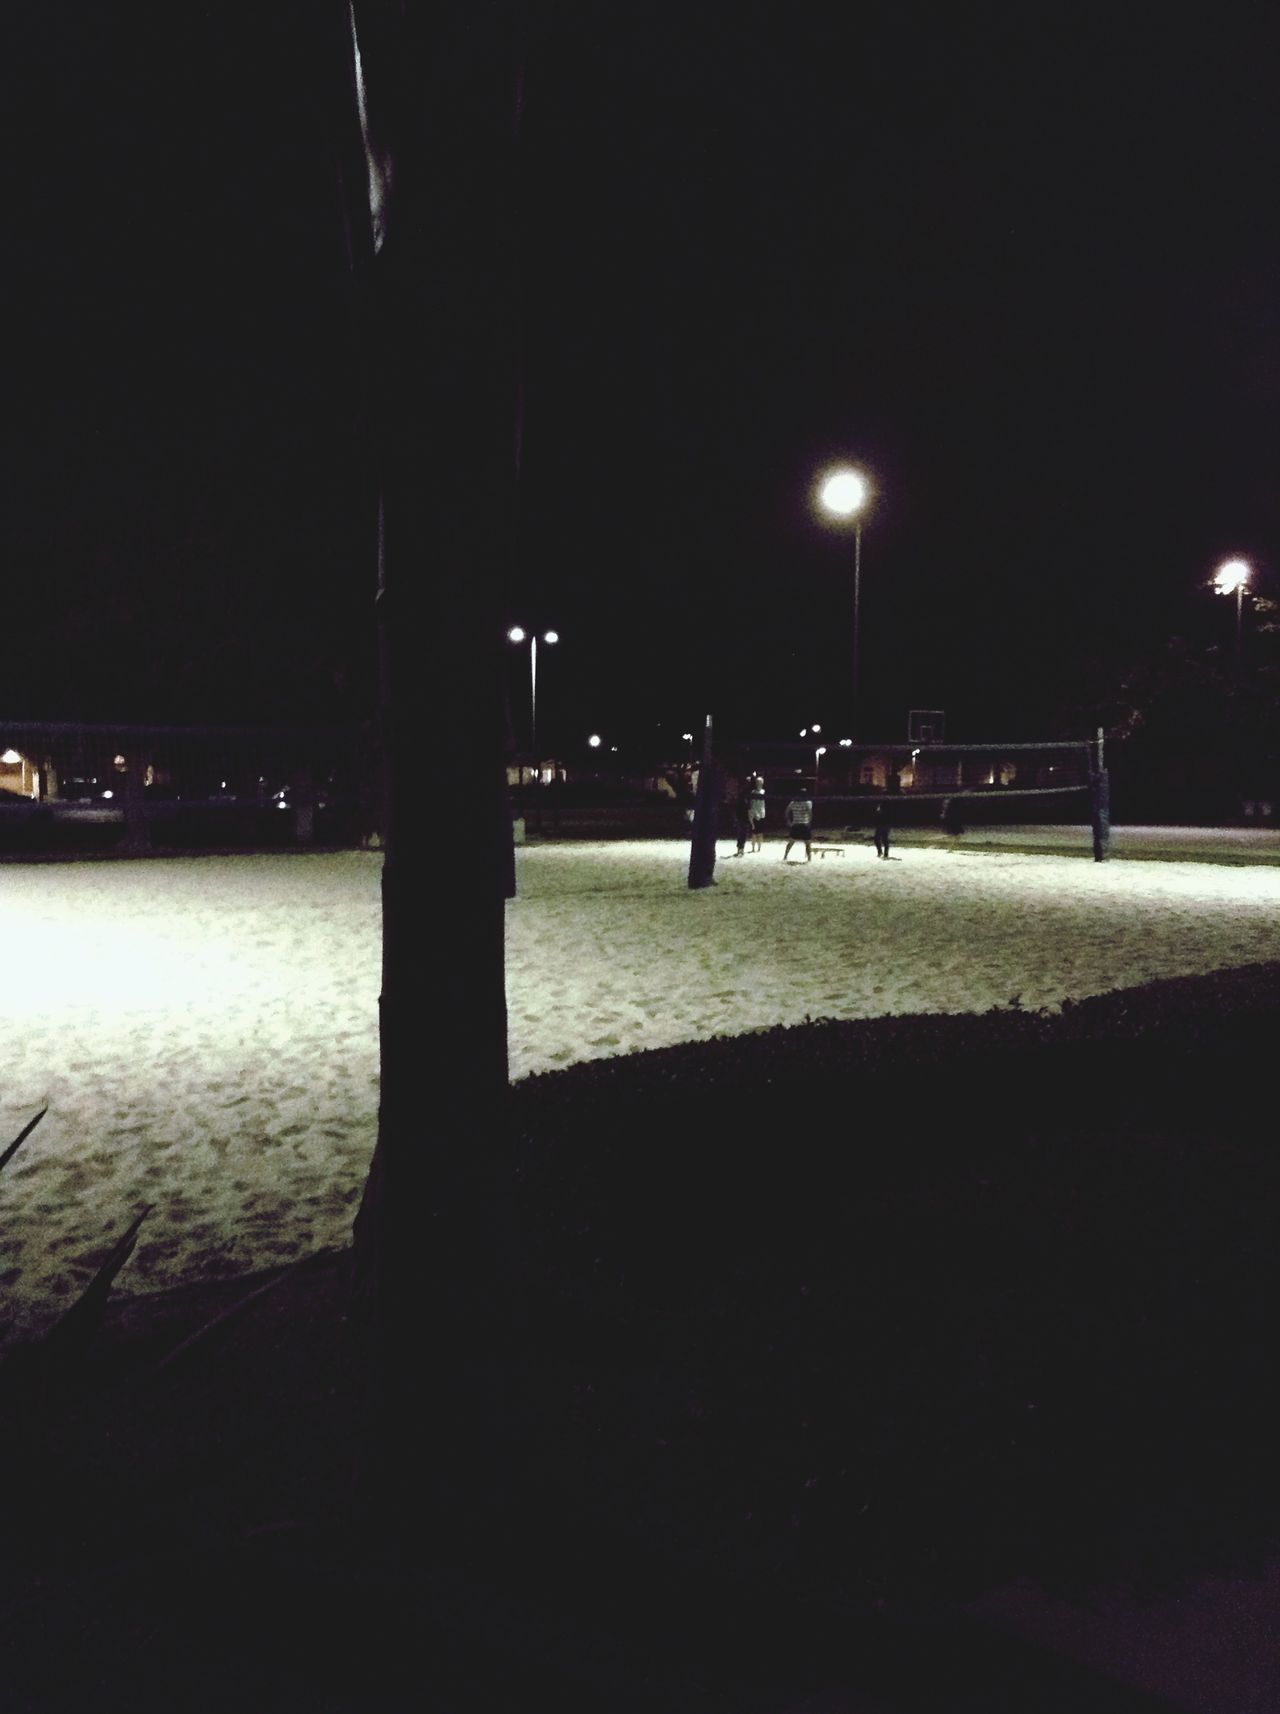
204 1030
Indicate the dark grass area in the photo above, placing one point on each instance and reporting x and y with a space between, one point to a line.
848 1319
919 1305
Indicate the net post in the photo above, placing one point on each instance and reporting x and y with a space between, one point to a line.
706 804
1100 805
136 833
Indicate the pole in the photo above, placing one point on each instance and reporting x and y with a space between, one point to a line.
702 847
1239 611
533 702
1100 806
533 732
857 582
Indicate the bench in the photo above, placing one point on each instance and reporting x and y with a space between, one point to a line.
824 848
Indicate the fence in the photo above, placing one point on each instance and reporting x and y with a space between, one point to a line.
80 788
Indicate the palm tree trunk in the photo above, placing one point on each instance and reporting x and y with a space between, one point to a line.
439 93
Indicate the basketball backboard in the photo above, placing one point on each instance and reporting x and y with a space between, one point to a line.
926 725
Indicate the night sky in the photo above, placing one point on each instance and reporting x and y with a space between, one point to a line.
1019 263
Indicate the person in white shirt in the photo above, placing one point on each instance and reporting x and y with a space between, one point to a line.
799 819
755 808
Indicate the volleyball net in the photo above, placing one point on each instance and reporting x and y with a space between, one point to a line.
950 786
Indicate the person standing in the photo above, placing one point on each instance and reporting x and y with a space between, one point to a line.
882 829
755 808
799 819
742 829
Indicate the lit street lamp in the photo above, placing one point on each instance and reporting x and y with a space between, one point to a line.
517 635
1232 578
842 495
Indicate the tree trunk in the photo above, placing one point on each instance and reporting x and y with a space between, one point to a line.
439 85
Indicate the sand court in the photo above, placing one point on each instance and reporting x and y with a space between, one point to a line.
204 1030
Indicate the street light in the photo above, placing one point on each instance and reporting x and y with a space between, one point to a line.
842 494
1231 578
517 635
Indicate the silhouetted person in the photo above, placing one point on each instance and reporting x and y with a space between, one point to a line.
882 830
742 830
799 818
951 816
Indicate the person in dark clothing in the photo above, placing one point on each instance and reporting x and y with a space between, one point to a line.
742 828
951 818
882 830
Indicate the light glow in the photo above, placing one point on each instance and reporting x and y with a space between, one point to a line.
551 637
515 635
843 493
1233 575
594 740
10 758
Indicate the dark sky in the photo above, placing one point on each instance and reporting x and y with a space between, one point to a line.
1020 263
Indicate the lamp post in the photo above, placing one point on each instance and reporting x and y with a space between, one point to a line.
819 751
1232 578
843 494
517 635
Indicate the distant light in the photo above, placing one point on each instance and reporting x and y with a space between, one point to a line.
821 750
10 758
614 748
1231 576
804 731
515 634
688 737
108 794
551 637
846 743
816 727
119 762
843 493
594 740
